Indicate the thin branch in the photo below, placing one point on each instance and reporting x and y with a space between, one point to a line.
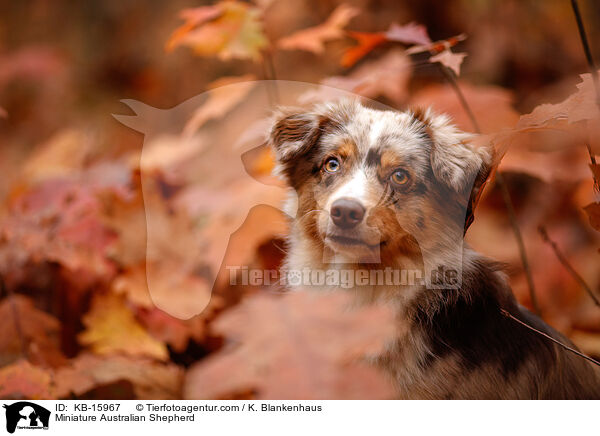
512 217
270 75
586 49
567 265
15 314
449 74
566 347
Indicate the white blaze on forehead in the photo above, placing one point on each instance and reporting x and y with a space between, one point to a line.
355 188
377 126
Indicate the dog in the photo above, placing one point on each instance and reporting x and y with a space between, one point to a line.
385 190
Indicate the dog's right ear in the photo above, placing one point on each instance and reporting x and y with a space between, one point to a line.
294 132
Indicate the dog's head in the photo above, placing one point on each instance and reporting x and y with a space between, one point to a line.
378 183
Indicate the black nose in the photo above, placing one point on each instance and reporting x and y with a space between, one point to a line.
347 213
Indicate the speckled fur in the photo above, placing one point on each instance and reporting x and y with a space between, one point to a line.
451 342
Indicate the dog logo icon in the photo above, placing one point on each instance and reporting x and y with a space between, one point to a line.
26 415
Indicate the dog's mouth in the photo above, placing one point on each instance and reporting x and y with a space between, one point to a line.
353 242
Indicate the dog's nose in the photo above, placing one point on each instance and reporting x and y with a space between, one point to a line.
347 213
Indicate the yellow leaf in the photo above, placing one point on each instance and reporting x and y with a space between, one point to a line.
112 328
229 30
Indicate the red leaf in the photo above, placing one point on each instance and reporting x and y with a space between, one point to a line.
366 43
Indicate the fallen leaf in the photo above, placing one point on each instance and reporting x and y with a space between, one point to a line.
296 346
38 332
151 380
313 39
22 380
228 29
449 60
110 327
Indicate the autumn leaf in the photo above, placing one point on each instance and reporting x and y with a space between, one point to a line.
151 380
411 33
228 29
37 332
22 380
299 346
450 60
579 106
366 43
593 212
313 39
110 327
437 46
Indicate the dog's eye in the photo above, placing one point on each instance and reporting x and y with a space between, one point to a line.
399 177
332 165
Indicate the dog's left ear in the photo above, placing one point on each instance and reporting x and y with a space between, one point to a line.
458 163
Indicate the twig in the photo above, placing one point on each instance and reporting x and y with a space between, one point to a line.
449 74
586 49
512 217
567 265
271 76
566 347
503 188
15 314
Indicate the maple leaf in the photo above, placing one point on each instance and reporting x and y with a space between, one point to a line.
450 60
366 43
39 331
151 380
112 328
411 33
313 39
228 29
301 345
22 380
579 106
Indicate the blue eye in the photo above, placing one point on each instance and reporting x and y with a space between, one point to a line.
332 165
399 177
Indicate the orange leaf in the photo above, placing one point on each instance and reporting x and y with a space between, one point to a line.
150 379
22 380
437 46
39 331
112 328
366 43
313 38
229 30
